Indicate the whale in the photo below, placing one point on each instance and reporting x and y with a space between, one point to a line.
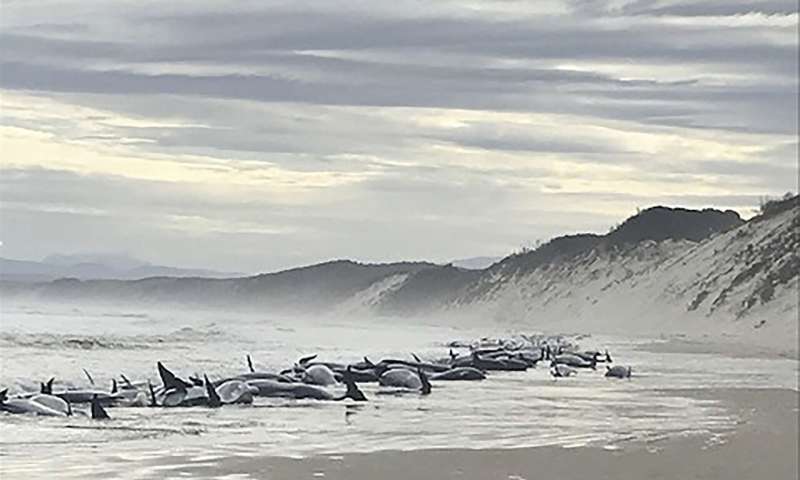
234 391
558 370
618 371
299 390
253 374
459 373
37 404
176 392
405 379
318 374
508 364
575 361
389 363
79 395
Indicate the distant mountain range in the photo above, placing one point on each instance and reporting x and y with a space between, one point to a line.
664 269
93 267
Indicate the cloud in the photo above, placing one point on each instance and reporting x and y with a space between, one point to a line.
403 124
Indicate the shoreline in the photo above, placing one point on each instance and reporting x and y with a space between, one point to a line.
733 347
762 445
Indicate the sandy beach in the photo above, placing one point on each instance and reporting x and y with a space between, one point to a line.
762 445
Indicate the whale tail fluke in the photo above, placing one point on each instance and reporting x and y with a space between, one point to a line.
250 364
426 384
213 398
98 412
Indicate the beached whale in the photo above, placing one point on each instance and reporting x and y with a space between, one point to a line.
459 373
501 364
80 395
559 370
403 378
253 374
299 390
38 404
46 405
318 374
575 361
176 392
618 371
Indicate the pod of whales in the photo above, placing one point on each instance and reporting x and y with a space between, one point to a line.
311 379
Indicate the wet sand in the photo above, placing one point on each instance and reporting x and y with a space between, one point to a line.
762 446
732 347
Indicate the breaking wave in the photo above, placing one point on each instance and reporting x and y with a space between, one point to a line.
108 342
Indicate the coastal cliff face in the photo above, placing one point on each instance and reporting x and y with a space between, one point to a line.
662 270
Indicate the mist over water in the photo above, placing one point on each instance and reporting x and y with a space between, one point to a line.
509 409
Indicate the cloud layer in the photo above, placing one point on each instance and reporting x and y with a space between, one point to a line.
271 134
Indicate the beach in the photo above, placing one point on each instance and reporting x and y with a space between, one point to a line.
763 444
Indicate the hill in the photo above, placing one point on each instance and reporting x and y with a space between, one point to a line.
664 270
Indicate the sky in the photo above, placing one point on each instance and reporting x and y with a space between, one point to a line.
255 136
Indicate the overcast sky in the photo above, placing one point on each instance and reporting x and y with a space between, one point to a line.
267 135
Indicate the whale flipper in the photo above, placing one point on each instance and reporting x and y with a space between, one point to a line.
426 384
250 364
89 376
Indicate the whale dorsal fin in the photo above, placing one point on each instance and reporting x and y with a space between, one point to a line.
213 397
170 380
125 379
114 386
3 395
98 412
368 362
250 364
353 392
414 355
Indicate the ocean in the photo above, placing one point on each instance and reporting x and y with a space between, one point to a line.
507 410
